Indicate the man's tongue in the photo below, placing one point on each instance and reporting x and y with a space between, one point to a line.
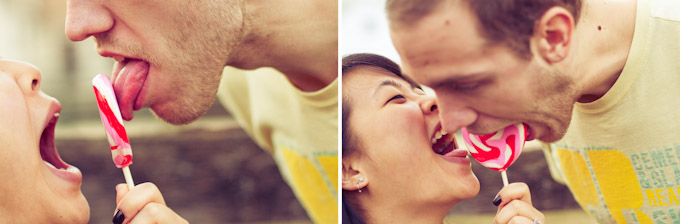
128 85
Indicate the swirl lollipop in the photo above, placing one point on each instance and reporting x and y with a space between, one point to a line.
497 151
121 152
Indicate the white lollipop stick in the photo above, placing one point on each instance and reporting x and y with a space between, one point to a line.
505 178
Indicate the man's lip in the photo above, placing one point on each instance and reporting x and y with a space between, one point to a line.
116 56
494 131
530 133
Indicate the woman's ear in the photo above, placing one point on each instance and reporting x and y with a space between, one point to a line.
353 178
552 34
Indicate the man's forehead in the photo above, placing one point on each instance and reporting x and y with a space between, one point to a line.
437 36
435 74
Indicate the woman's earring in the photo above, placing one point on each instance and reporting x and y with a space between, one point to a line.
360 180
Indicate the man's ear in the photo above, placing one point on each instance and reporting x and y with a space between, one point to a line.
352 177
552 34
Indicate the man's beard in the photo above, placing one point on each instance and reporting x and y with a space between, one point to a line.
555 110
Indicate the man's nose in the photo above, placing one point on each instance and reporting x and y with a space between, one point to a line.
85 18
455 115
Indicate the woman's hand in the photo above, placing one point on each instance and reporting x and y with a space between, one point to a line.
514 206
143 204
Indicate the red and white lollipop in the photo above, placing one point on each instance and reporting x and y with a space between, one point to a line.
497 151
121 152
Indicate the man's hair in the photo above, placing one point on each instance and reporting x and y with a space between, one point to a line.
509 22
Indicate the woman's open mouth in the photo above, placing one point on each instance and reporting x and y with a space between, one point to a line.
443 143
48 150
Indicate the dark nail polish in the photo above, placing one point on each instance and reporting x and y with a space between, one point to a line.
497 200
118 218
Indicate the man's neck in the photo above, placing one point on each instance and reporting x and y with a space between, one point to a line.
603 38
298 38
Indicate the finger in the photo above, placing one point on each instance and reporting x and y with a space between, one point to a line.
156 213
137 198
121 190
514 191
521 220
525 220
517 208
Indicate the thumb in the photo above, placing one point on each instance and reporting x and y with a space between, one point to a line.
121 191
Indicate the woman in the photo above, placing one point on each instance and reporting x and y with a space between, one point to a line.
38 186
398 166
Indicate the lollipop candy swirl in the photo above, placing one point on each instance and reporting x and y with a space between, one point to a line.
497 151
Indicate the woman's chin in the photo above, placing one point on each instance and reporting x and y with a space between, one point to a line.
473 186
467 187
74 211
68 200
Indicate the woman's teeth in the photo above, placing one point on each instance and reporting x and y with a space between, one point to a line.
443 143
438 135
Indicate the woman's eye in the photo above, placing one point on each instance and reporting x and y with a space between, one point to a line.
397 98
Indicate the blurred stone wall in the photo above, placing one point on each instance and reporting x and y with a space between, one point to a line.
207 175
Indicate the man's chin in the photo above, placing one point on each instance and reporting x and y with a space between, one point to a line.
178 117
551 137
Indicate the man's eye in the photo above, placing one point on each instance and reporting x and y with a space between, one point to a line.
400 98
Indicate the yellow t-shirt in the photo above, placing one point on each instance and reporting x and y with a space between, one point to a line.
299 129
621 154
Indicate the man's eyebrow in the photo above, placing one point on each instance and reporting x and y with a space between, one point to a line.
386 83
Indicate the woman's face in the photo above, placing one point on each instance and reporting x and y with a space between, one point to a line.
37 186
395 125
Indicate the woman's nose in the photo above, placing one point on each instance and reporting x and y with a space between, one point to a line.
429 105
27 76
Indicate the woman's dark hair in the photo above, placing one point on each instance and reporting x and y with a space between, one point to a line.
350 210
349 63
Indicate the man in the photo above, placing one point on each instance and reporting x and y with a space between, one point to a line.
170 57
596 79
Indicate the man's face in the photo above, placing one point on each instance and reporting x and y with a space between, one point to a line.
169 54
480 85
